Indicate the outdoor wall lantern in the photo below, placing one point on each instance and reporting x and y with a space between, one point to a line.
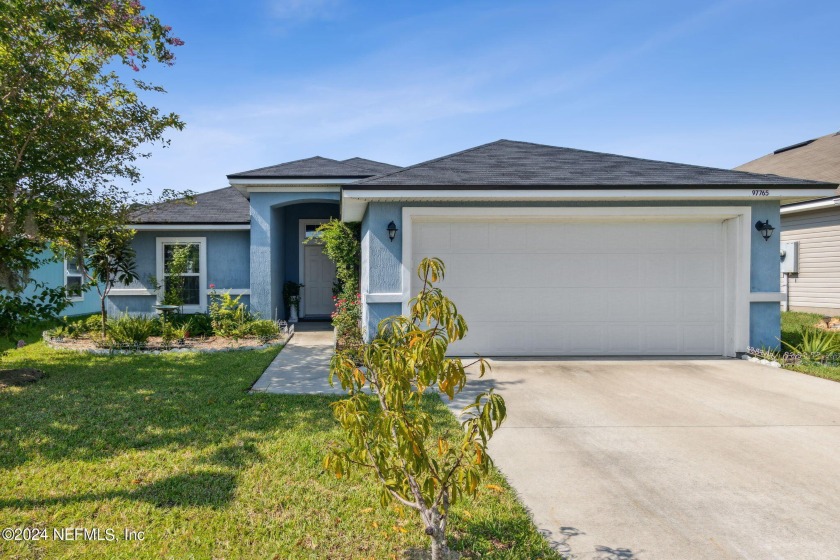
392 231
764 228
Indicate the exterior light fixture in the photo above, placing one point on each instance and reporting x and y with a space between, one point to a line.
392 231
764 228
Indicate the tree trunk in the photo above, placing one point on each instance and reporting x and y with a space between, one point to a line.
436 530
104 314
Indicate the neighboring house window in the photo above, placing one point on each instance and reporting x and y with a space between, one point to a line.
195 283
73 280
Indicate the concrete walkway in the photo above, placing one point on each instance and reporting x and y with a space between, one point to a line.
303 367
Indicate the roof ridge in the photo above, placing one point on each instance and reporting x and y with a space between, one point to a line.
368 160
434 160
284 163
648 160
593 152
345 162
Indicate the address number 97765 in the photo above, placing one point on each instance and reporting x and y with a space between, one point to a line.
760 192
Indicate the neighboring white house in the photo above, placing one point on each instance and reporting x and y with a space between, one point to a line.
810 230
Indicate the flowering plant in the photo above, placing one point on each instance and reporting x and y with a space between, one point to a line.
347 319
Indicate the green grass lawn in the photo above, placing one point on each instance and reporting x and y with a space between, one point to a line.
792 321
174 446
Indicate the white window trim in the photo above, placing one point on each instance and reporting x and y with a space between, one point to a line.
301 260
80 297
202 269
736 220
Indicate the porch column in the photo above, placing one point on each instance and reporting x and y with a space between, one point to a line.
262 227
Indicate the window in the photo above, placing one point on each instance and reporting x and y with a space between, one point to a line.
184 259
73 280
310 230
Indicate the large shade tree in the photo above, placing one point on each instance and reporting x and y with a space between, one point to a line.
73 120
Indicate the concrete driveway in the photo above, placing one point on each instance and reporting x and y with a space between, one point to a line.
675 460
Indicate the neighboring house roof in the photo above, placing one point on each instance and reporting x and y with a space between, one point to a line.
377 167
817 159
317 167
509 164
222 206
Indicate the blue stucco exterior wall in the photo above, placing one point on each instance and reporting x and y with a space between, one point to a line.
51 274
228 264
269 227
765 317
385 258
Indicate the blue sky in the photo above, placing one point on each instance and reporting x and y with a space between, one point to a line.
260 82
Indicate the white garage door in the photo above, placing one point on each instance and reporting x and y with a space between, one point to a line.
534 288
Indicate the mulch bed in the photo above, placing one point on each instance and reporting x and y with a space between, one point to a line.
19 377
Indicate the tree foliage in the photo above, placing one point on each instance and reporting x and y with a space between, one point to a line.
106 258
70 123
342 246
395 439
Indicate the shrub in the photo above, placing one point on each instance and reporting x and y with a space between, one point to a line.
92 323
815 344
347 319
68 328
228 315
199 325
133 330
173 333
264 329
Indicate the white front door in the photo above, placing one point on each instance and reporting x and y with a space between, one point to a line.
318 278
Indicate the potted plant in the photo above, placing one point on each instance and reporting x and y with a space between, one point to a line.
291 297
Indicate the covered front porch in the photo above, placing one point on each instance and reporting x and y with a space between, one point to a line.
280 224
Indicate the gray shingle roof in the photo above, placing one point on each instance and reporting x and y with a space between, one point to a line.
222 206
506 164
375 167
309 168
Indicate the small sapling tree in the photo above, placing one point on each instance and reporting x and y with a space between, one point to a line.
106 259
395 439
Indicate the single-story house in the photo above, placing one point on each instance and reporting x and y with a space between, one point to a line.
811 229
549 251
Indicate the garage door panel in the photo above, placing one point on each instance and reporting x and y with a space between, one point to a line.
572 288
431 236
699 270
662 340
582 340
549 338
623 304
469 237
659 305
700 305
698 237
658 270
623 340
625 267
543 237
583 304
700 339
